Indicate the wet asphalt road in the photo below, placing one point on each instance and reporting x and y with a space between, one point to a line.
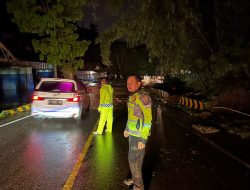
184 161
176 159
40 154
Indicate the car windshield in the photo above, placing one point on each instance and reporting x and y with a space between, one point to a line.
54 86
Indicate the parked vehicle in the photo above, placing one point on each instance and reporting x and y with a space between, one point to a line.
94 83
60 98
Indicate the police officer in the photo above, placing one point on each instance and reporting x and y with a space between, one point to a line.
137 129
105 107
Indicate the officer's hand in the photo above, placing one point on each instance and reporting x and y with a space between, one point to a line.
126 134
141 146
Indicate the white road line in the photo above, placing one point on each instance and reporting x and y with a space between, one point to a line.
15 121
224 151
212 143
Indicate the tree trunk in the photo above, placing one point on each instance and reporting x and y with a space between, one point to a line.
68 72
55 70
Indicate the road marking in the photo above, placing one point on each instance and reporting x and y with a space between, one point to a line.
212 143
225 151
72 177
15 121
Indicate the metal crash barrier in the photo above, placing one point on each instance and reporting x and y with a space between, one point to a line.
182 101
192 103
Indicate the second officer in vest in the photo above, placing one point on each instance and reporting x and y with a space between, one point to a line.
105 107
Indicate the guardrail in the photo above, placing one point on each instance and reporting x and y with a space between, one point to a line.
182 101
192 103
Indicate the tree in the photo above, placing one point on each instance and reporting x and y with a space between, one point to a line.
127 60
92 55
207 38
160 25
54 23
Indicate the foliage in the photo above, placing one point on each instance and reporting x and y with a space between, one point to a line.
127 60
54 23
208 38
173 84
92 55
160 25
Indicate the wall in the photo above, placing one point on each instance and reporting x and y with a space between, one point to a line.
16 86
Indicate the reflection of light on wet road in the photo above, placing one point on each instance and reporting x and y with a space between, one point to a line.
72 177
104 159
49 152
40 153
33 155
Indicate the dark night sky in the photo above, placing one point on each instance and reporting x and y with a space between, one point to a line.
5 18
98 16
19 44
12 38
6 25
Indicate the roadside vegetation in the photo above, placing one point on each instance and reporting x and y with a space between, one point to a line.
204 42
53 24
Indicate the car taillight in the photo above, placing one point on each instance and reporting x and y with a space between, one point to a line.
76 98
35 97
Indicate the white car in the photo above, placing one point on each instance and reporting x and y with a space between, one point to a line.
60 98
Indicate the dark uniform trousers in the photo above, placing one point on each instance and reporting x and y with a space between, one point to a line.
135 158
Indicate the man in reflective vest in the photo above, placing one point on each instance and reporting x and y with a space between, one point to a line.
105 107
137 129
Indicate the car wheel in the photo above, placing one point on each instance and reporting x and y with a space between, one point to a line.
84 112
79 117
85 109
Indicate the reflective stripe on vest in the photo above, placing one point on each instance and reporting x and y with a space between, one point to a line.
134 132
106 105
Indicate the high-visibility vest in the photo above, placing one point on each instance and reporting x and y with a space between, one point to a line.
139 115
106 96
